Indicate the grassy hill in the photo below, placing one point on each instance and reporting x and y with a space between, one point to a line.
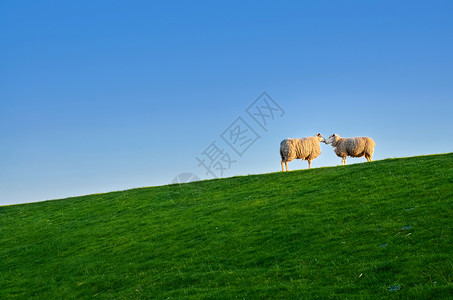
371 230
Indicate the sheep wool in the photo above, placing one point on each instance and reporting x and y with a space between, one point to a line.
302 148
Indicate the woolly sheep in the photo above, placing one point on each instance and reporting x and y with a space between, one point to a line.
304 148
354 147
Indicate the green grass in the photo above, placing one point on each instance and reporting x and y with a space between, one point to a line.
371 230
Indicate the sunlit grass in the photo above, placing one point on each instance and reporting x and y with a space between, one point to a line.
380 229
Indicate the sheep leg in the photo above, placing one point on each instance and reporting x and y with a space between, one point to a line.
286 164
283 169
343 161
309 164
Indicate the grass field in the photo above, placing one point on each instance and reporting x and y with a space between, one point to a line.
370 230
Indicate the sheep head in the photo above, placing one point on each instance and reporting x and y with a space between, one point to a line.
320 137
332 139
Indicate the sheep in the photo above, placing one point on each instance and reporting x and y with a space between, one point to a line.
354 147
304 148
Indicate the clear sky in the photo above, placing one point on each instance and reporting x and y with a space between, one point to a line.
97 96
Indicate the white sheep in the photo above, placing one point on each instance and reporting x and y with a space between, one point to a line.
354 147
304 148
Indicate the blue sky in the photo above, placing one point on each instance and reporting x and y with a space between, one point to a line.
97 96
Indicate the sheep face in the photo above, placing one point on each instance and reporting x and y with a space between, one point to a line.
321 138
331 139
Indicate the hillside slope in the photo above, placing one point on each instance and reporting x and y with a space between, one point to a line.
380 229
